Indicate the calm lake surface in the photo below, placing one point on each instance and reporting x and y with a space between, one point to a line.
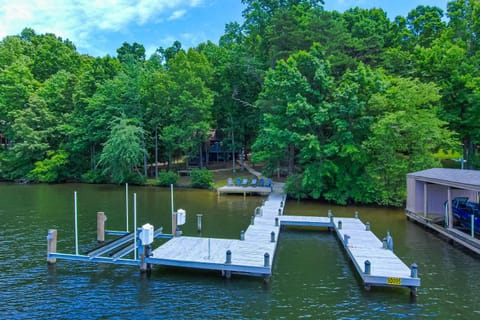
312 277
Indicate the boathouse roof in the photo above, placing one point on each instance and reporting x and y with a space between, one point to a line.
462 179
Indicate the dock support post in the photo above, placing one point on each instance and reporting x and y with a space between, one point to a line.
228 257
472 224
252 220
272 236
101 218
199 222
340 225
345 239
414 270
367 226
281 204
368 266
356 214
413 274
242 235
329 213
266 260
51 245
276 221
279 211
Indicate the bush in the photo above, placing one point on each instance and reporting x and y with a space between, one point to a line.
167 178
201 178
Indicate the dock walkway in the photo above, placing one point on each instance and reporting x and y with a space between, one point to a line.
254 252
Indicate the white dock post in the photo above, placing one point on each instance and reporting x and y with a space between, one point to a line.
76 222
367 226
413 274
51 245
368 269
472 225
126 206
266 260
242 235
356 214
252 220
101 218
134 226
228 257
199 222
414 270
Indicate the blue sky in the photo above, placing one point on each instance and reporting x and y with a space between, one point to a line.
100 27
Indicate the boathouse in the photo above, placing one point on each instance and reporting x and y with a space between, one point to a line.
429 201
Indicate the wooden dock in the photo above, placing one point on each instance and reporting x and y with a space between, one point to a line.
244 190
254 252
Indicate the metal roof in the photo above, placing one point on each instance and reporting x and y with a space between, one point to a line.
462 179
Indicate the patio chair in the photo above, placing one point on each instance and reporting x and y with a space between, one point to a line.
261 182
230 182
245 182
254 182
238 182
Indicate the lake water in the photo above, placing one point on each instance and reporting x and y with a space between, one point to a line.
312 276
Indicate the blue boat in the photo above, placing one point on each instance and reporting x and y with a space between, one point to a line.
462 211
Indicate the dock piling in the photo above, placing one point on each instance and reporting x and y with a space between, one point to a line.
367 226
242 235
272 236
414 270
199 222
368 266
252 220
279 211
356 214
101 218
228 257
276 221
345 239
51 245
340 225
266 260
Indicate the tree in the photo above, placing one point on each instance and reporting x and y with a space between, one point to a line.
404 138
123 151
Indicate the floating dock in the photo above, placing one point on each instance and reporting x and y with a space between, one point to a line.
254 252
244 190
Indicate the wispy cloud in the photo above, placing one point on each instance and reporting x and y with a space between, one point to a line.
177 14
80 20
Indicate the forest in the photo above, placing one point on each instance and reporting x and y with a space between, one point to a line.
341 105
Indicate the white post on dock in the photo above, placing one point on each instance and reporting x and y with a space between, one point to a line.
51 245
199 222
174 216
472 225
101 218
76 222
126 206
135 226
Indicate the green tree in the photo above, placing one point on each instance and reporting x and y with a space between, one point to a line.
123 151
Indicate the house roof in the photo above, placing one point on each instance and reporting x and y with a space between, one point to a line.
462 179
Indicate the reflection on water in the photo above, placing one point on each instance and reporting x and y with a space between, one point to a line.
312 277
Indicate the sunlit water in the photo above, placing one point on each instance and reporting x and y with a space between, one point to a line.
312 277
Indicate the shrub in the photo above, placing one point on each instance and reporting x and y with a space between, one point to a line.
201 178
167 178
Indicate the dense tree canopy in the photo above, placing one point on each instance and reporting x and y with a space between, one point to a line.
340 105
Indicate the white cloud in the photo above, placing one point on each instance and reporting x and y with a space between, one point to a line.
80 20
177 14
